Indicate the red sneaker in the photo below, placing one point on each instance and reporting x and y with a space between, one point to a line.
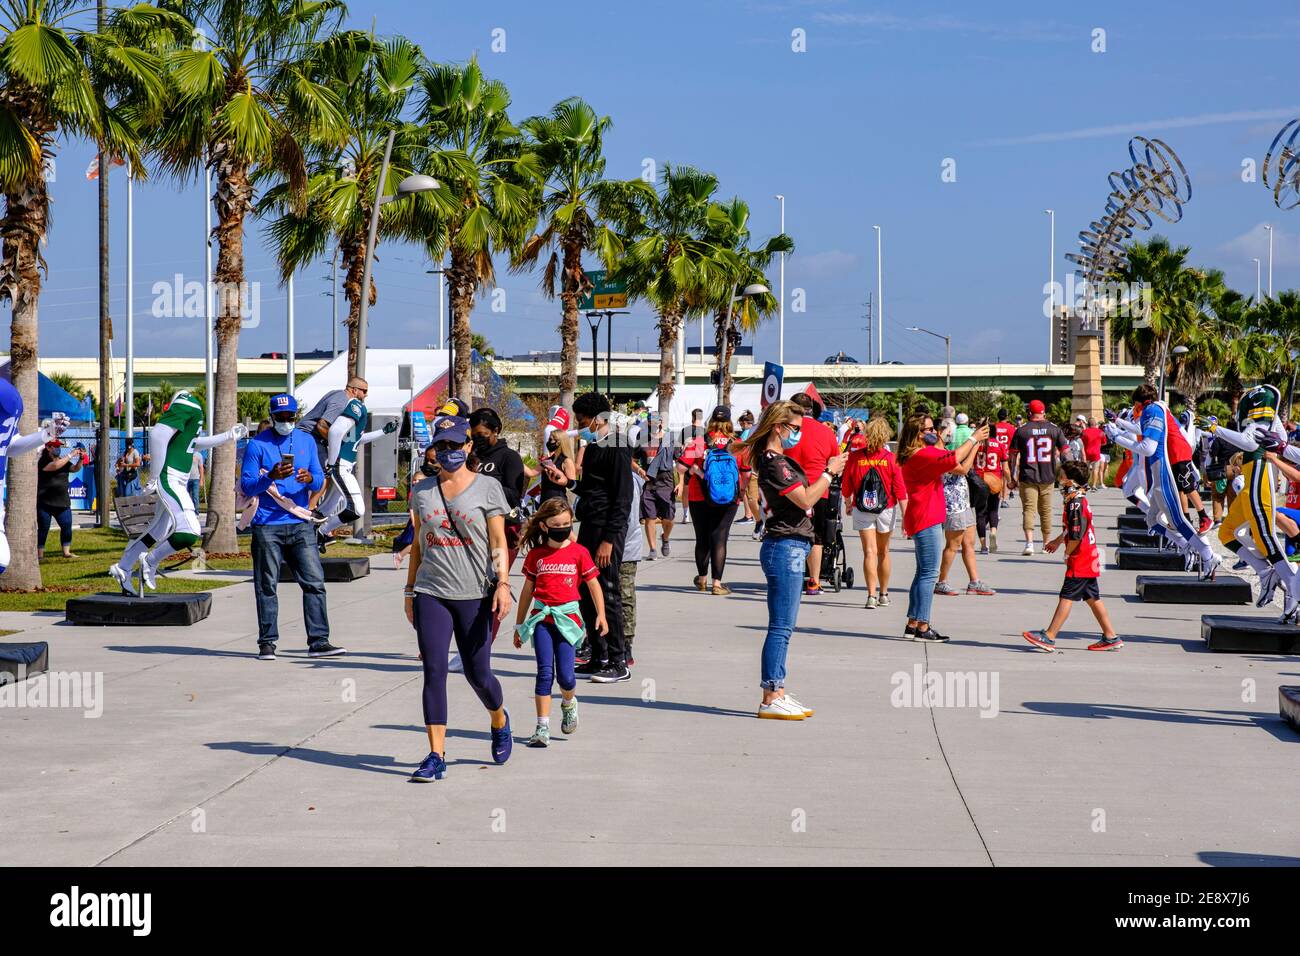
1111 644
1206 524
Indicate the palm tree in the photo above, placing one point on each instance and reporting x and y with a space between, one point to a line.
738 266
246 101
1208 337
566 150
666 261
1162 269
56 82
373 81
485 202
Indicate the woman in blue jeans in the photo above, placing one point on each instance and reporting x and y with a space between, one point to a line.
787 539
924 463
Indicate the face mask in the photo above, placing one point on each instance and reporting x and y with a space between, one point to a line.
284 428
481 445
792 439
586 434
453 459
930 438
428 468
552 447
559 535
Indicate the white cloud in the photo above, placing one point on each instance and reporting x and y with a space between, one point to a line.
1253 244
1144 127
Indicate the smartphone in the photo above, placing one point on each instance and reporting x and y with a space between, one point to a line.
286 458
984 422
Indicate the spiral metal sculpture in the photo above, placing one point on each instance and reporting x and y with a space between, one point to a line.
1156 184
1282 166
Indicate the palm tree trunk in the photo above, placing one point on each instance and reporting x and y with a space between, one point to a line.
669 325
462 282
354 259
569 296
233 198
23 227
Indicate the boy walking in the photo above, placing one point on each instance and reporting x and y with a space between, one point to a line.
1082 564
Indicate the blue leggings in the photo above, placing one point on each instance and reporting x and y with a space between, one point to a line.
470 622
554 660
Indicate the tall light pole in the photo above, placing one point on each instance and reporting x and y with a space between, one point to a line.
781 305
130 306
947 344
442 311
334 304
1256 261
880 298
1269 227
208 372
288 368
1051 281
415 183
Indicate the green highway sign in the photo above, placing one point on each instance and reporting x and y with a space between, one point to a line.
604 294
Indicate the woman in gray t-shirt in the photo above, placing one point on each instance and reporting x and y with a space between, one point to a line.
457 584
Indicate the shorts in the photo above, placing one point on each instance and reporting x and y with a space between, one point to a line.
1186 477
959 520
821 517
657 503
1080 589
882 523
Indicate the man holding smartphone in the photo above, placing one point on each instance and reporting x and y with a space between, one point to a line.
282 470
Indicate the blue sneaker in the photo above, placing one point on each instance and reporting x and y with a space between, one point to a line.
502 742
432 768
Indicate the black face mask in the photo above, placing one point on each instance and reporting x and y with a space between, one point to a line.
559 535
429 468
553 447
481 445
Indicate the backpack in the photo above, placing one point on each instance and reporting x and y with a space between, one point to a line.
872 497
721 476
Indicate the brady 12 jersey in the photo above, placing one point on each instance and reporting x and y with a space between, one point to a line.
989 459
1085 561
184 413
11 410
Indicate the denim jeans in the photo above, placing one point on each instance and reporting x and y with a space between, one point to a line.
64 519
274 544
783 561
928 544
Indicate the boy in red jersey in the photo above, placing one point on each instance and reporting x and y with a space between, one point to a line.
1082 564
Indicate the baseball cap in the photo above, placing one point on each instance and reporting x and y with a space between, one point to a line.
720 412
963 418
1081 418
454 407
451 428
284 402
1036 407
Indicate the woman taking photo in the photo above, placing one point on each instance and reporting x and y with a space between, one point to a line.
457 585
874 491
960 503
787 540
924 463
556 468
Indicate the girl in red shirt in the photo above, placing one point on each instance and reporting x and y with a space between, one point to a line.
924 464
549 612
874 492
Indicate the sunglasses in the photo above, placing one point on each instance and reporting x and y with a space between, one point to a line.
447 445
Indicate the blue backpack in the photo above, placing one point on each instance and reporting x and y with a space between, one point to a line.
721 476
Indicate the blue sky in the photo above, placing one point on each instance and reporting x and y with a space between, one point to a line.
853 132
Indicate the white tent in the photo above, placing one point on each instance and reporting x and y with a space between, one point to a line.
687 397
384 398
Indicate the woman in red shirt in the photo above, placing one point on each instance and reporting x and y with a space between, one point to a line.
924 464
874 492
712 519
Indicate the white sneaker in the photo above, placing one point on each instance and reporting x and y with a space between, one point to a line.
150 573
993 540
781 709
804 708
122 577
456 665
1029 548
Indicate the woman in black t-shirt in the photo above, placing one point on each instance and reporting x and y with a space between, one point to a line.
52 499
787 539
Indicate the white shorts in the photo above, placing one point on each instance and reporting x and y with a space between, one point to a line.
882 523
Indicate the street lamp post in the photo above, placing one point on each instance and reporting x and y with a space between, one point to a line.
754 288
442 324
947 345
1269 227
1165 355
593 319
880 298
1256 261
781 305
1051 280
416 183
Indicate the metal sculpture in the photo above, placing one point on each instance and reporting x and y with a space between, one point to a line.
1283 175
1156 184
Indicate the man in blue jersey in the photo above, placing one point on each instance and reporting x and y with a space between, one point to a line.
12 445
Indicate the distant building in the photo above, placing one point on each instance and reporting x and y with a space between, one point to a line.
1064 325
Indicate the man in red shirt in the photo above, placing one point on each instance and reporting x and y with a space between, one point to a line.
817 445
1082 564
1093 438
1002 431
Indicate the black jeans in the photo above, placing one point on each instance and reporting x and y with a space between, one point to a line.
610 647
273 544
712 525
987 517
64 519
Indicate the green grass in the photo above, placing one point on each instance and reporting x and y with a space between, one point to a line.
97 548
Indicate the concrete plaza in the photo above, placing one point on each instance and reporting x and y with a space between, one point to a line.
1162 753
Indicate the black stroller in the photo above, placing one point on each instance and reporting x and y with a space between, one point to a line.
836 573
